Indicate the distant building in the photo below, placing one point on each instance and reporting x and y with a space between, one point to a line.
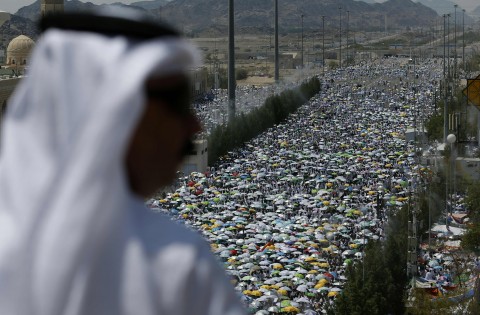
18 52
16 61
51 6
197 160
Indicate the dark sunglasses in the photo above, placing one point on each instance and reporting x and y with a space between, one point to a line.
177 98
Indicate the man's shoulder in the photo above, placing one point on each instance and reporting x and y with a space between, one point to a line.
158 231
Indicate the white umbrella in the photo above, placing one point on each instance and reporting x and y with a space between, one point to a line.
302 288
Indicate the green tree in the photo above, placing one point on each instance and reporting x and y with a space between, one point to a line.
225 138
371 287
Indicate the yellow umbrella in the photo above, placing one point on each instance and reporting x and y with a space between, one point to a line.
277 266
313 271
290 309
319 285
256 293
332 293
282 291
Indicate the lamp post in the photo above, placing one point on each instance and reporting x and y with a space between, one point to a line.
463 39
277 69
451 138
323 44
348 23
302 40
231 63
444 46
448 45
340 46
455 41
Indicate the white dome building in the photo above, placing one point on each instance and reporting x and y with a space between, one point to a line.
18 51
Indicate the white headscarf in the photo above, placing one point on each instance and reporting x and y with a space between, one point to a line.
73 238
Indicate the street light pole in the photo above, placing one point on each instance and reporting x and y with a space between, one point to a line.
231 62
340 57
302 40
463 45
455 42
444 47
323 43
451 140
348 25
448 46
277 69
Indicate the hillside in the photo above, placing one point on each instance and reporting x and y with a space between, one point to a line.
440 6
32 11
18 26
151 4
210 17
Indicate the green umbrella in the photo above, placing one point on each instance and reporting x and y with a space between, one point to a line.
285 303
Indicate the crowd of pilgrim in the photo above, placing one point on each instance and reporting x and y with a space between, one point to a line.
286 212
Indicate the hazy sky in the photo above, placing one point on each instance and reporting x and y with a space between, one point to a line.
13 5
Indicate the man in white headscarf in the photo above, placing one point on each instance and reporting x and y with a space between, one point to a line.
101 122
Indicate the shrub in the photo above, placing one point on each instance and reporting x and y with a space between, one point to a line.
242 128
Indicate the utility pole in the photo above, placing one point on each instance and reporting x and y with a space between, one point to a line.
231 62
445 85
444 47
455 42
323 43
463 44
340 57
302 40
448 46
277 70
348 24
412 237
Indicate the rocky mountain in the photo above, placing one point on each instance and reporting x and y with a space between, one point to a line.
16 26
440 6
211 16
151 4
32 11
203 17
